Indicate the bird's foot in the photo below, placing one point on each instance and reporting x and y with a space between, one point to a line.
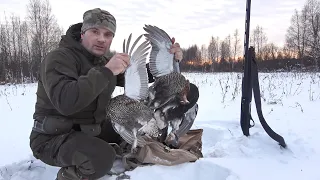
163 135
172 140
134 150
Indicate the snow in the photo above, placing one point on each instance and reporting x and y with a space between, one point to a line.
290 103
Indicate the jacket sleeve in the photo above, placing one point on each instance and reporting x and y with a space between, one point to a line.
68 92
120 77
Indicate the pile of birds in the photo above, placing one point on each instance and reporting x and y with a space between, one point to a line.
142 111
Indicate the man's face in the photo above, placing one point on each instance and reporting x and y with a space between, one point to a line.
97 40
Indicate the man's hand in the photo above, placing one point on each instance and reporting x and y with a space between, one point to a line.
118 63
176 50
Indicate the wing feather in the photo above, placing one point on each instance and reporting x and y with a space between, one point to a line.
128 135
187 121
136 76
160 60
128 43
128 116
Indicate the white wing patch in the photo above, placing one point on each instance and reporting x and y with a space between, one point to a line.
136 75
128 135
160 60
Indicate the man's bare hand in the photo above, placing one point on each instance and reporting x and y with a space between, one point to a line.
118 63
176 50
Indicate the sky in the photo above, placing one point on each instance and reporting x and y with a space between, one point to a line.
190 22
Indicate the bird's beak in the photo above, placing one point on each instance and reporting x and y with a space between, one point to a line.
184 100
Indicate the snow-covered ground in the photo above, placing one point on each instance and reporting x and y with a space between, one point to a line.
290 103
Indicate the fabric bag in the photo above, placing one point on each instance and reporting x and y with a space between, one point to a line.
156 153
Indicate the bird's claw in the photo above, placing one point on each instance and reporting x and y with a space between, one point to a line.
123 176
172 140
134 150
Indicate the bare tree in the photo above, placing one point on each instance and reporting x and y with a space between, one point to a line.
45 32
204 53
225 49
3 54
288 52
303 34
270 52
229 49
312 9
24 43
6 51
213 52
235 49
296 33
258 40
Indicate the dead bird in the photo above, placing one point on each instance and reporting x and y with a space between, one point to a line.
129 115
168 83
170 87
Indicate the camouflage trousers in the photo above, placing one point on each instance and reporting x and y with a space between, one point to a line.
93 156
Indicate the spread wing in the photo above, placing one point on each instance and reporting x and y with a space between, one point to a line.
161 60
136 76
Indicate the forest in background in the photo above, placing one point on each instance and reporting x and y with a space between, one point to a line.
24 43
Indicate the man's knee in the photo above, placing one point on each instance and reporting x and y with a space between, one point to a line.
45 147
93 156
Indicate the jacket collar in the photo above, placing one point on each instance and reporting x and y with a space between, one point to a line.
72 40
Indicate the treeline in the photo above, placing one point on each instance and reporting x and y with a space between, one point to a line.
24 43
300 52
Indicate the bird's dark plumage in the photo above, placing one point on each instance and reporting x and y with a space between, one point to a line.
129 115
170 88
168 83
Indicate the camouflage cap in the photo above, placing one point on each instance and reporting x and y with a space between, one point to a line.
98 18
